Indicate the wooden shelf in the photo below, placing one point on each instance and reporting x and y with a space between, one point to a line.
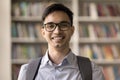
104 40
99 19
107 62
20 61
99 62
27 40
27 18
100 1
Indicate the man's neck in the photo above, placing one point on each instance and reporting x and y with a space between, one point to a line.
57 55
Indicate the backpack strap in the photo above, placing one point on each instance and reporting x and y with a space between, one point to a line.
33 68
85 68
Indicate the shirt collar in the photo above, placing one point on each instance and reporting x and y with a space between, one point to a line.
68 59
45 58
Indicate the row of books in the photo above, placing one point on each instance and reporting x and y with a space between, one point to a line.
99 9
15 73
27 30
28 9
93 31
111 72
108 9
25 8
102 30
100 52
28 51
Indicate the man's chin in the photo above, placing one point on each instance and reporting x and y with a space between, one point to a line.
57 45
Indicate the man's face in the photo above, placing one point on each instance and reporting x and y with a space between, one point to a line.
58 38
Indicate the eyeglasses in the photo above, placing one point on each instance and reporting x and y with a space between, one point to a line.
63 26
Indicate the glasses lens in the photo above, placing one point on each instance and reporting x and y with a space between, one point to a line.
50 26
64 26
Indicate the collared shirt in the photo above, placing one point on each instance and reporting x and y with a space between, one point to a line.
66 70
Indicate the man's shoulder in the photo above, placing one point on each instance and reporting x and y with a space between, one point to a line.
31 62
93 64
24 66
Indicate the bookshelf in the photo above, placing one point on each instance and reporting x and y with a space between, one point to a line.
99 34
95 35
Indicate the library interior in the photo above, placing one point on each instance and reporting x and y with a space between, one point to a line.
96 36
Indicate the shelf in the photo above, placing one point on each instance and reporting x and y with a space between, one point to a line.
27 40
104 40
107 1
99 19
99 62
27 18
47 1
19 61
107 62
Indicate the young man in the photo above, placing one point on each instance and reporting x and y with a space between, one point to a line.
59 62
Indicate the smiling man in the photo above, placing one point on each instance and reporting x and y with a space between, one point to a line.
59 62
57 30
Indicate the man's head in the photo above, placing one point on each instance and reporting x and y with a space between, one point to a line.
57 26
58 7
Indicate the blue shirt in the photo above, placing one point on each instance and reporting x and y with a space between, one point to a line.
66 70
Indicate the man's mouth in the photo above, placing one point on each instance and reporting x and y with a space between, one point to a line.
58 37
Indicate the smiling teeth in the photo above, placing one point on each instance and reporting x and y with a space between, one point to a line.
58 37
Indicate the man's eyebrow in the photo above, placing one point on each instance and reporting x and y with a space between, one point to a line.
64 22
49 23
59 22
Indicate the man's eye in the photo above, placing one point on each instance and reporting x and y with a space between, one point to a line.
65 24
50 25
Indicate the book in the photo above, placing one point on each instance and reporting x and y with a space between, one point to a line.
16 9
31 52
109 73
24 28
14 52
88 51
92 34
115 52
108 53
84 9
24 8
20 30
97 52
100 10
14 30
31 31
117 28
83 31
93 10
116 72
24 52
15 73
98 31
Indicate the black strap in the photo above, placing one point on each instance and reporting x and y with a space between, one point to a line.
33 68
85 68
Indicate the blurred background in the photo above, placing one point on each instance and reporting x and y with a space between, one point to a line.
97 33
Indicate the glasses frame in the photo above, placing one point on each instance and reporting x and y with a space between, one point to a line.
54 25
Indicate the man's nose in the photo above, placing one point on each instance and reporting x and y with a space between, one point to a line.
57 29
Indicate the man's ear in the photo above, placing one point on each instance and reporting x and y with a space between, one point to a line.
42 31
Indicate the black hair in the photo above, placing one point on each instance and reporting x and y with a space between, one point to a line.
58 7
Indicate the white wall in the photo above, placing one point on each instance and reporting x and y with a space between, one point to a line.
5 61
